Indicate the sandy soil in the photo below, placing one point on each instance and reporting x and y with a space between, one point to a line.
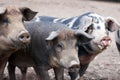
106 65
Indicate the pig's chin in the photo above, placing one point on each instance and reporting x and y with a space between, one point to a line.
17 45
8 44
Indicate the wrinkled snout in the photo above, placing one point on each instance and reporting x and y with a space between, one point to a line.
24 37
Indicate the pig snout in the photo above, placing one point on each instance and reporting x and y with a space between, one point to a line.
104 42
74 66
24 37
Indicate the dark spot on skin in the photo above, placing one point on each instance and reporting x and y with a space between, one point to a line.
98 27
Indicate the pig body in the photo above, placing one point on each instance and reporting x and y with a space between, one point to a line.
52 46
13 35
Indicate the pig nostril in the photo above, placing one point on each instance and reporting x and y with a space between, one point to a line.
28 36
106 39
24 37
21 37
74 68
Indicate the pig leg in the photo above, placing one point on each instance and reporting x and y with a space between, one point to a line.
11 71
59 73
42 73
3 63
23 71
118 46
83 68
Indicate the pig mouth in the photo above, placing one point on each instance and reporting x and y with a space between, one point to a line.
104 43
17 44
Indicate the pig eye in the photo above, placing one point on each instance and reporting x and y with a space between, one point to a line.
90 29
5 20
59 47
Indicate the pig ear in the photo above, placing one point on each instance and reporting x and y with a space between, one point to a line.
53 35
2 10
28 13
86 21
83 37
112 24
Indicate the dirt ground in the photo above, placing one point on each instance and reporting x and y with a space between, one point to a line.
106 66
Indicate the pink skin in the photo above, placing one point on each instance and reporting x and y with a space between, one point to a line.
105 42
